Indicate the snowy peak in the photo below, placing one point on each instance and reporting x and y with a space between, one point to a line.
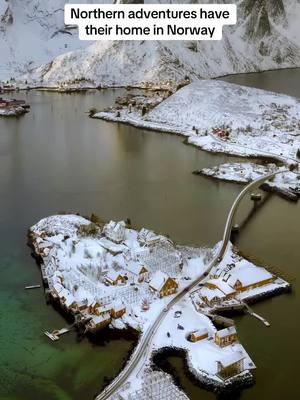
266 37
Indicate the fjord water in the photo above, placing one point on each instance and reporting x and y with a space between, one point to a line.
57 159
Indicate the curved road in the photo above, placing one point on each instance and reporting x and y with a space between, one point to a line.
140 353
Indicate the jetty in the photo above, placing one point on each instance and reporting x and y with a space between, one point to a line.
255 315
55 335
32 287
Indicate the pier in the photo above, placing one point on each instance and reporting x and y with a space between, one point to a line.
55 335
255 315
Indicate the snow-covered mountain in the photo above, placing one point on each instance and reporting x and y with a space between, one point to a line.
33 32
265 37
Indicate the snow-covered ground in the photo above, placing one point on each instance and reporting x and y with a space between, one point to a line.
82 263
286 182
256 122
80 259
12 112
220 290
265 37
33 32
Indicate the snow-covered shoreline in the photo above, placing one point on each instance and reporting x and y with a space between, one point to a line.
287 184
109 275
224 118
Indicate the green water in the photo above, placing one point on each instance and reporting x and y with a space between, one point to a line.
55 159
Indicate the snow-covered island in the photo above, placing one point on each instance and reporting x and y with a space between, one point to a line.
12 107
110 275
226 118
286 184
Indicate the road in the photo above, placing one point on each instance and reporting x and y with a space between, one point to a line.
142 350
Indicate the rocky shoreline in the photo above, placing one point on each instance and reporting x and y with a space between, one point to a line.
199 378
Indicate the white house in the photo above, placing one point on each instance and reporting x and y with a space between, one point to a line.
137 270
115 231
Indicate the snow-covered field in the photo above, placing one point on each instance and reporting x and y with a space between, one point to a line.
256 122
84 264
265 37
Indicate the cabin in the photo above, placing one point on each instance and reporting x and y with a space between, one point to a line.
250 278
118 310
162 284
115 231
211 297
82 305
70 303
230 365
228 291
93 308
226 336
148 238
114 278
139 271
200 334
56 289
98 322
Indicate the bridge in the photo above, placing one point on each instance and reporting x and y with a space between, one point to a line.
143 349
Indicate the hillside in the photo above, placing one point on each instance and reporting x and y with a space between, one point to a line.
33 32
266 37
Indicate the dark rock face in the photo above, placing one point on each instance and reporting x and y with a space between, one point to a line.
258 13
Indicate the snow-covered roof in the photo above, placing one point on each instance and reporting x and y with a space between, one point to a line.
134 268
158 280
226 332
113 275
201 332
69 300
211 293
97 319
111 246
231 358
64 293
118 307
115 226
58 287
223 286
249 275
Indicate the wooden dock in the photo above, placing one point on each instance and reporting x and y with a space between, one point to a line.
255 315
32 287
55 335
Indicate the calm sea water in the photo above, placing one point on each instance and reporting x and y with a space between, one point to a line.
57 159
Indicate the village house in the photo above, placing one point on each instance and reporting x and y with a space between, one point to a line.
162 284
98 322
115 231
148 238
211 297
82 305
115 278
138 271
56 289
230 365
118 310
200 334
249 278
93 308
224 287
226 336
